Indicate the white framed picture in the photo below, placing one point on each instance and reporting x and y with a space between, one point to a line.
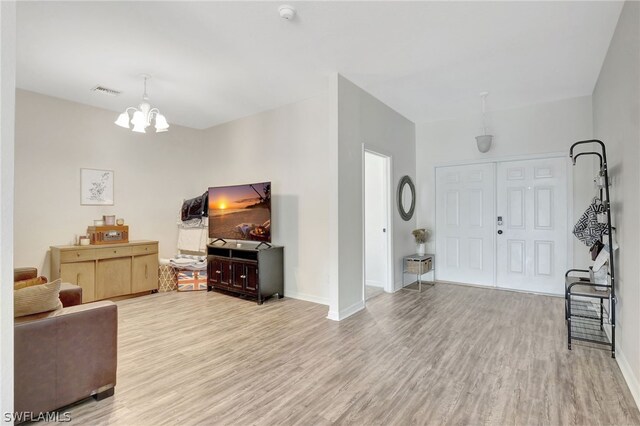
96 187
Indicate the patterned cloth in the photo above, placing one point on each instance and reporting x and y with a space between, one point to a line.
189 262
192 280
168 278
588 229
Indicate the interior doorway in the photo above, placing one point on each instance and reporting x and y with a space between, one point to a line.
377 240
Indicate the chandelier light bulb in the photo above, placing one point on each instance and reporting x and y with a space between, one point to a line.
161 123
123 120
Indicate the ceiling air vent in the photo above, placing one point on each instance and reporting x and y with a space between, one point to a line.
106 91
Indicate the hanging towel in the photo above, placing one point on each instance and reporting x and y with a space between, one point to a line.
589 229
192 239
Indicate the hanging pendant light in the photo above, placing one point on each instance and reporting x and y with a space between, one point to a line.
484 140
143 115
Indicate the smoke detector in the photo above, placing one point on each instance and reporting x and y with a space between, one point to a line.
287 12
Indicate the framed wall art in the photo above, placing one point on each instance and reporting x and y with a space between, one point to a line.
96 187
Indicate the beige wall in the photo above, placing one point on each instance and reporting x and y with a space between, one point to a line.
536 129
55 138
616 121
287 146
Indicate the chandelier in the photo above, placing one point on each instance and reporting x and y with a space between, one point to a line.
143 115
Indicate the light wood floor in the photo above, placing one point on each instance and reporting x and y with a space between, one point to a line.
449 355
371 291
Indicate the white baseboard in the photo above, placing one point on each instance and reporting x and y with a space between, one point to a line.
629 377
373 283
493 287
307 297
333 315
347 312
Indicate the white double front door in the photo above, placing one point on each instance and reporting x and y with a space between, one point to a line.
503 224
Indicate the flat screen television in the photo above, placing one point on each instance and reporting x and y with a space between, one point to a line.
240 212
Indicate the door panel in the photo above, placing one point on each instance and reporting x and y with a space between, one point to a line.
82 274
251 282
220 272
113 278
238 275
465 214
145 273
532 249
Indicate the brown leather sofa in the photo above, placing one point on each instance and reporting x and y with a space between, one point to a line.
64 356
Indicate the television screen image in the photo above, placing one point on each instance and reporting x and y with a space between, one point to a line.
240 212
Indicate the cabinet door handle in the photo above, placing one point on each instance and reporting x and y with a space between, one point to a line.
243 276
78 254
77 277
146 270
218 272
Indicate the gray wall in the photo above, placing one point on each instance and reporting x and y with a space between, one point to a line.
616 121
7 91
363 119
535 129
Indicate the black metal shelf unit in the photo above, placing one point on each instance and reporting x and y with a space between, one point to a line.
585 312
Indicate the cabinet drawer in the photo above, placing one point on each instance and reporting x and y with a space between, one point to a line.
144 249
110 252
68 256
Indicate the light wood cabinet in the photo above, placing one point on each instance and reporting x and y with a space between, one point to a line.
107 271
82 274
113 277
145 273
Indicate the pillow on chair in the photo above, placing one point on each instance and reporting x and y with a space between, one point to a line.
17 285
37 299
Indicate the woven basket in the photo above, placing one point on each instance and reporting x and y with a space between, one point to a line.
418 267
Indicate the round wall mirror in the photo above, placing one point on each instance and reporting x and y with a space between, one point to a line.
406 198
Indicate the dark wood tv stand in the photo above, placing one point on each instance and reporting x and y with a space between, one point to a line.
246 270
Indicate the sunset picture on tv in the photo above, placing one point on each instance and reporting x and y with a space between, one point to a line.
241 212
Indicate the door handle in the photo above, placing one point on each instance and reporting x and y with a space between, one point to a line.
384 229
499 231
146 270
77 277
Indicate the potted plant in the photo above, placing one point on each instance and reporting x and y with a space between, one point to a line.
420 235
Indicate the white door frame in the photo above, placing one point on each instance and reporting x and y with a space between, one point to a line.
389 284
503 159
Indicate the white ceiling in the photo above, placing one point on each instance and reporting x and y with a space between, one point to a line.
213 62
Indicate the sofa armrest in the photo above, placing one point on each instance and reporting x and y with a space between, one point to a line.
64 356
70 294
20 274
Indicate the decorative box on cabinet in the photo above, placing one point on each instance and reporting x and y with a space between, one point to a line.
107 271
254 273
